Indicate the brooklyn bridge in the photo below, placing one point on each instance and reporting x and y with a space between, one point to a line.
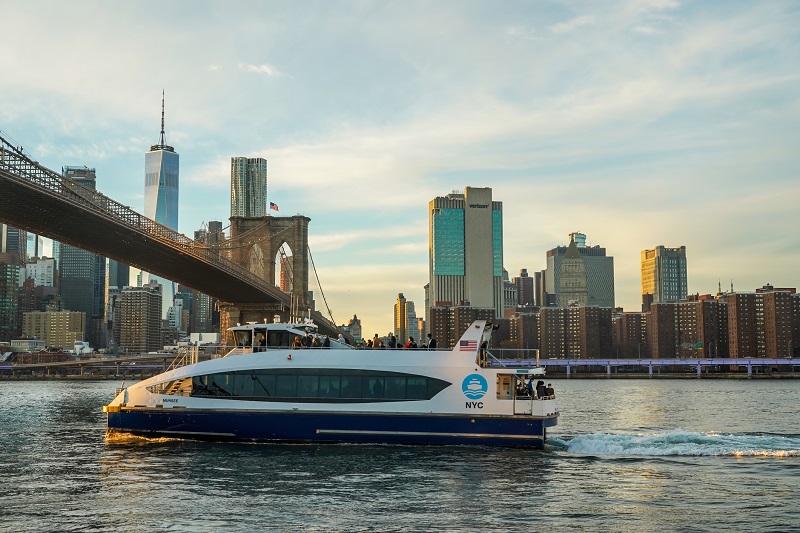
46 203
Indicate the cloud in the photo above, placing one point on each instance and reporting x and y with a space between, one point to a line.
573 24
260 69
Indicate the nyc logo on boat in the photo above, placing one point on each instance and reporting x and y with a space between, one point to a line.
474 386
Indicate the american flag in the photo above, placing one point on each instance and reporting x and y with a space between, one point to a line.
468 346
273 206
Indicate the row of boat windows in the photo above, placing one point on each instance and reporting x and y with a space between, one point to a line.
308 386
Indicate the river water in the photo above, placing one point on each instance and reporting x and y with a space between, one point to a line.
627 455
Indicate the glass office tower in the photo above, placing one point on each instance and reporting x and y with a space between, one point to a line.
161 196
466 250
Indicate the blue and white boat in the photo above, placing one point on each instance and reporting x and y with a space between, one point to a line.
266 390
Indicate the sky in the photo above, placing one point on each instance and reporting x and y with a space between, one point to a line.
638 123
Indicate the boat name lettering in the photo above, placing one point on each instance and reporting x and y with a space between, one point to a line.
169 400
479 206
474 405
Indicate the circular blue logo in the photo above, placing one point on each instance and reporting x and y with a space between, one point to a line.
474 386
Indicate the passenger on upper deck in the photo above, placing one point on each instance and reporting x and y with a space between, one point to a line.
541 390
431 342
297 343
549 391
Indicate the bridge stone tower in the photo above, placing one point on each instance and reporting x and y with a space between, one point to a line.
254 244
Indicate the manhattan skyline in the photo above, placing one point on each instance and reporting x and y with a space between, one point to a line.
639 124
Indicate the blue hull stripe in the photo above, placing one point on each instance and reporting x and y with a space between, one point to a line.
332 427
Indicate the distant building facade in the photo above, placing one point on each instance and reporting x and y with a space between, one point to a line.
43 272
405 320
448 323
138 328
82 274
664 275
525 288
10 319
466 252
59 329
14 241
248 187
599 272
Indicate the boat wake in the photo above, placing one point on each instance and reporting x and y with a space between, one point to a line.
683 443
119 437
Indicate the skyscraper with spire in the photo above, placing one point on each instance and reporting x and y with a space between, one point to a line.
161 195
161 181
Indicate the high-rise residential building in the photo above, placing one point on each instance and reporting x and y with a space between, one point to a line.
525 288
401 319
629 335
406 323
10 320
466 251
43 272
779 321
248 187
82 274
14 241
161 166
663 275
413 323
59 329
175 315
448 323
599 271
139 320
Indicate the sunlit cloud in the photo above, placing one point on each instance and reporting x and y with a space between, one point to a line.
260 69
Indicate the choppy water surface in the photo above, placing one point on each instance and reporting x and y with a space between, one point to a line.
644 455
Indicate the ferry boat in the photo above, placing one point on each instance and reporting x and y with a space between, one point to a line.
322 390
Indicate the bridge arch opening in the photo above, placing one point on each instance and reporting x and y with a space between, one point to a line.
284 275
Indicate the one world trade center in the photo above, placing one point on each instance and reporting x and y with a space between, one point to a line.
161 197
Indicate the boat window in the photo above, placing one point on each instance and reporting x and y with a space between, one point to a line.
351 387
242 338
395 388
329 386
177 387
312 385
286 386
263 384
222 384
279 339
417 388
307 386
243 385
374 387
